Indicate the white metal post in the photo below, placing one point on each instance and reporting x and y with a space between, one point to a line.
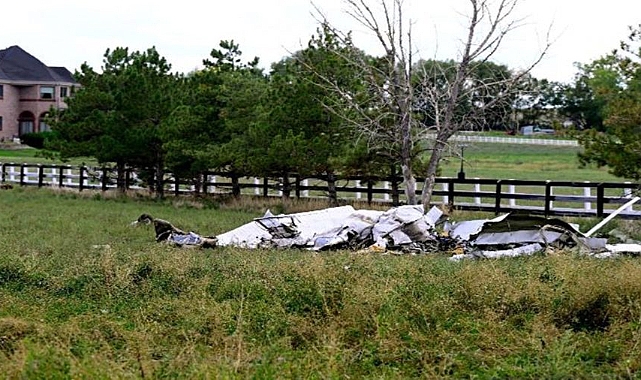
587 192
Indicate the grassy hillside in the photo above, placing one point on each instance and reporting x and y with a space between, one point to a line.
84 295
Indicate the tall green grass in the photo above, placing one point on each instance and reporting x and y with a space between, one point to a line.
84 295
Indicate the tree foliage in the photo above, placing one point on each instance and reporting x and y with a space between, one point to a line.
117 114
619 146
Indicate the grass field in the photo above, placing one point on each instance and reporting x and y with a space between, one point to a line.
84 295
533 162
482 160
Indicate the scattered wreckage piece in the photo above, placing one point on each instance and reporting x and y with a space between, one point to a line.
402 230
515 234
337 227
166 232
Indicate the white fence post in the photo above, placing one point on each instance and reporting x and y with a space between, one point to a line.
511 189
256 186
445 186
587 192
627 193
54 174
477 189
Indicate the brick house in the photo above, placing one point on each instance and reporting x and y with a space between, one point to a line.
28 90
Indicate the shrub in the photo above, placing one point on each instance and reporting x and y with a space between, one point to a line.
37 139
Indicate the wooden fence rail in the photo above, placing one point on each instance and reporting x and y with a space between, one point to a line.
495 195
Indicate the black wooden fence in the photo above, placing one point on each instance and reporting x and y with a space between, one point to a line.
494 195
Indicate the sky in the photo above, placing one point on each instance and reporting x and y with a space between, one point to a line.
70 32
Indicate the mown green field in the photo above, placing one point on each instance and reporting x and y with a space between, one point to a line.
531 162
84 295
482 160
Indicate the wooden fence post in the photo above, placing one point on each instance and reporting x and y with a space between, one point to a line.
127 178
265 187
176 185
105 179
22 170
395 194
81 178
450 192
370 192
600 198
497 198
41 175
61 175
548 199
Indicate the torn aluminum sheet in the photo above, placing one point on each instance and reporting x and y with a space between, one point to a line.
336 227
404 225
301 226
514 229
525 250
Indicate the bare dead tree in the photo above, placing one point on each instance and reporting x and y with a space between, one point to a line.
394 125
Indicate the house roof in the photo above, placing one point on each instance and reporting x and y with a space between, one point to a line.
18 65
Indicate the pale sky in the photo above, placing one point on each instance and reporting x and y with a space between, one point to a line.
70 32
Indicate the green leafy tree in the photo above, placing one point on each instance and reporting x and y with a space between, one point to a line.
117 114
619 146
307 136
584 101
221 102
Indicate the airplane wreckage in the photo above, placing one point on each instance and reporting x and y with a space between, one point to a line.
405 230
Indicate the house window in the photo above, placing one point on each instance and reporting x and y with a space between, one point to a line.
1 91
26 120
42 123
63 92
46 92
0 120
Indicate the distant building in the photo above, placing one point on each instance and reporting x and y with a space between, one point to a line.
28 90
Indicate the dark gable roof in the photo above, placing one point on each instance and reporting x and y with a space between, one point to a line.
18 65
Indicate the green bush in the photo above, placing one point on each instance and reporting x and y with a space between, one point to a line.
37 139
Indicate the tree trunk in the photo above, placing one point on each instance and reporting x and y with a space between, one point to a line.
235 186
160 181
410 183
432 168
198 184
121 173
287 186
331 189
